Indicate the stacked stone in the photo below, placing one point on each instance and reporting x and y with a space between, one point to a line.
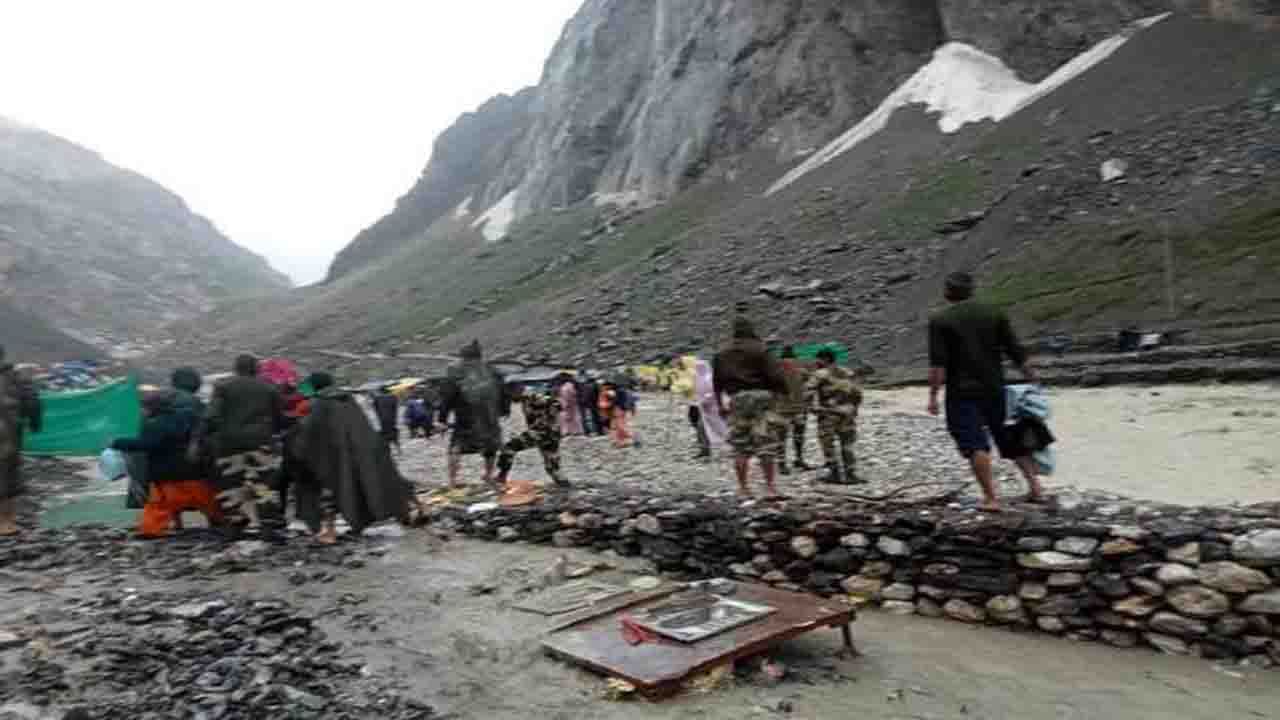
1190 581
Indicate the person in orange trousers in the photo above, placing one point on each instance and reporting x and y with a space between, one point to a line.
174 484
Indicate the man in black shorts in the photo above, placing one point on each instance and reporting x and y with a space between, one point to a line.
967 346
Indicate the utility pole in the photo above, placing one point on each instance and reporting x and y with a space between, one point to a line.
1171 307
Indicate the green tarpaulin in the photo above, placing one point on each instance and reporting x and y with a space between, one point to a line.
810 351
85 423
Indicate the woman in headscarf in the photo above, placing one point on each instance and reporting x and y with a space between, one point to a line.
704 394
176 485
570 419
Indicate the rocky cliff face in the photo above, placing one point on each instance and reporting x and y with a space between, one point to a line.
103 252
640 100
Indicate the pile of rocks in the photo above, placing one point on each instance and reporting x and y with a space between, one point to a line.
138 655
1200 581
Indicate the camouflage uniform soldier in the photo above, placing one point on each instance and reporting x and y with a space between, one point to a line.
542 416
794 411
837 394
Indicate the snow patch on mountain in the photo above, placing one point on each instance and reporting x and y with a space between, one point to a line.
495 221
963 85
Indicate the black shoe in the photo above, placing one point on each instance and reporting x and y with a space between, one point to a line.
803 466
784 469
831 477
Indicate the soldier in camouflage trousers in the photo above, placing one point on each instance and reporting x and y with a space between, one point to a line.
542 418
837 394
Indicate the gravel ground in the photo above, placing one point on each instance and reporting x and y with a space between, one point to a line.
1151 443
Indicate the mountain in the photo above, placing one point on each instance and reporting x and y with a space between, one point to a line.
104 253
826 163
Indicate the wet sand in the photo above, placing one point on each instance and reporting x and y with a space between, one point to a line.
1187 444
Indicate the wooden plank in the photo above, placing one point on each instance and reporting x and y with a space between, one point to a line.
658 667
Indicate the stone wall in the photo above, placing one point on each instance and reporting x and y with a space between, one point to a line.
1198 581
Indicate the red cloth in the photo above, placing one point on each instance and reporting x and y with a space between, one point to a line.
279 372
170 499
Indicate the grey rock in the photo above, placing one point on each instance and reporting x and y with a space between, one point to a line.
508 534
1258 547
804 546
1033 591
927 607
309 700
1051 560
893 547
1267 603
1034 543
1188 554
1173 624
897 607
1065 580
1167 644
898 591
1198 601
863 586
1138 605
1006 609
957 609
1147 586
1119 546
855 540
1050 624
1230 626
1175 574
1076 545
877 569
1232 577
1119 638
932 591
1129 532
195 611
649 525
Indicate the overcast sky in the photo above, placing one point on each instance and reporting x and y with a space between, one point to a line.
292 124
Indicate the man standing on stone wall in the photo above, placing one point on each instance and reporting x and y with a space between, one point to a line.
836 395
746 373
967 345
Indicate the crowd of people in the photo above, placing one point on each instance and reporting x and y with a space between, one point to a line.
262 440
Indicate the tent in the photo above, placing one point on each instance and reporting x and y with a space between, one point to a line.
84 423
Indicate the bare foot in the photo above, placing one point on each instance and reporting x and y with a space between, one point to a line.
327 536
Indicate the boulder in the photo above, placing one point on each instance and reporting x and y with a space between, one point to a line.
1059 605
1198 601
958 609
1076 545
1034 543
1054 561
1260 547
1175 574
1232 577
1267 603
1113 585
1174 624
1230 626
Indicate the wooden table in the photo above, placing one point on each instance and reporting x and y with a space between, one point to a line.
657 668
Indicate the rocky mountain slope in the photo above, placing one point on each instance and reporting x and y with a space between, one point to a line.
104 253
952 135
